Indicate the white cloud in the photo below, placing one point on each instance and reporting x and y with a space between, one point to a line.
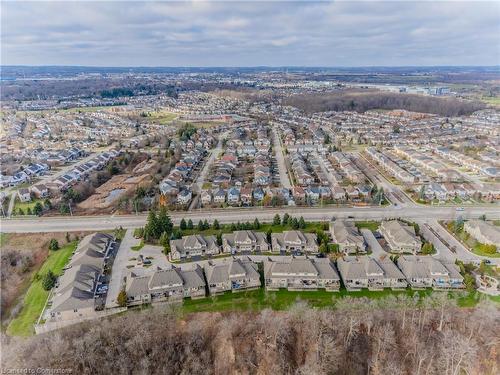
344 33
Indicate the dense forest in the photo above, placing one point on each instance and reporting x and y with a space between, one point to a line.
358 337
362 101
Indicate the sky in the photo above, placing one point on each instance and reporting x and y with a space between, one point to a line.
250 33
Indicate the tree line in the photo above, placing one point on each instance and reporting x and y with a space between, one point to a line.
397 335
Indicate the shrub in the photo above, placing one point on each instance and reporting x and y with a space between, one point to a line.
53 245
49 280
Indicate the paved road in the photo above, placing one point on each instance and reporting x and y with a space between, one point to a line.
280 158
206 168
77 223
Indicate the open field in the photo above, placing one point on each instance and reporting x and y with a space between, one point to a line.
36 296
161 117
495 100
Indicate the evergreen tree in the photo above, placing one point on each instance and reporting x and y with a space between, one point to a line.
164 239
190 224
200 225
256 224
183 224
277 220
53 244
206 225
164 222
38 209
219 238
152 228
285 220
216 224
49 280
295 223
233 227
268 235
302 223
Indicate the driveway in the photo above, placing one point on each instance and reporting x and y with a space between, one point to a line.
377 251
119 268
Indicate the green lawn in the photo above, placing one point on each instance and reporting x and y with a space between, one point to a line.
479 249
259 299
371 225
36 296
138 247
25 205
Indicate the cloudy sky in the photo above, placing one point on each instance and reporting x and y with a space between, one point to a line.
250 33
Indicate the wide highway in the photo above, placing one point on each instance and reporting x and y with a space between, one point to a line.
90 223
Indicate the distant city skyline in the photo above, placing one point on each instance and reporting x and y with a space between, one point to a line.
239 34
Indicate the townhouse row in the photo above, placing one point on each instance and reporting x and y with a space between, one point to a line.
245 241
290 273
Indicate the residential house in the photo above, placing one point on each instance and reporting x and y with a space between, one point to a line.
219 196
206 197
184 196
193 245
77 291
40 191
428 272
24 195
347 236
244 240
401 238
483 232
302 273
365 272
233 195
167 284
231 274
294 241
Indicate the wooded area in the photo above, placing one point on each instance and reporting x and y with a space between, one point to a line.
367 100
355 338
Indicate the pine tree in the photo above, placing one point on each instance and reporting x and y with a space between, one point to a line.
49 280
256 224
152 227
53 244
164 222
200 225
206 225
190 224
183 224
295 223
302 223
38 209
285 220
216 224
